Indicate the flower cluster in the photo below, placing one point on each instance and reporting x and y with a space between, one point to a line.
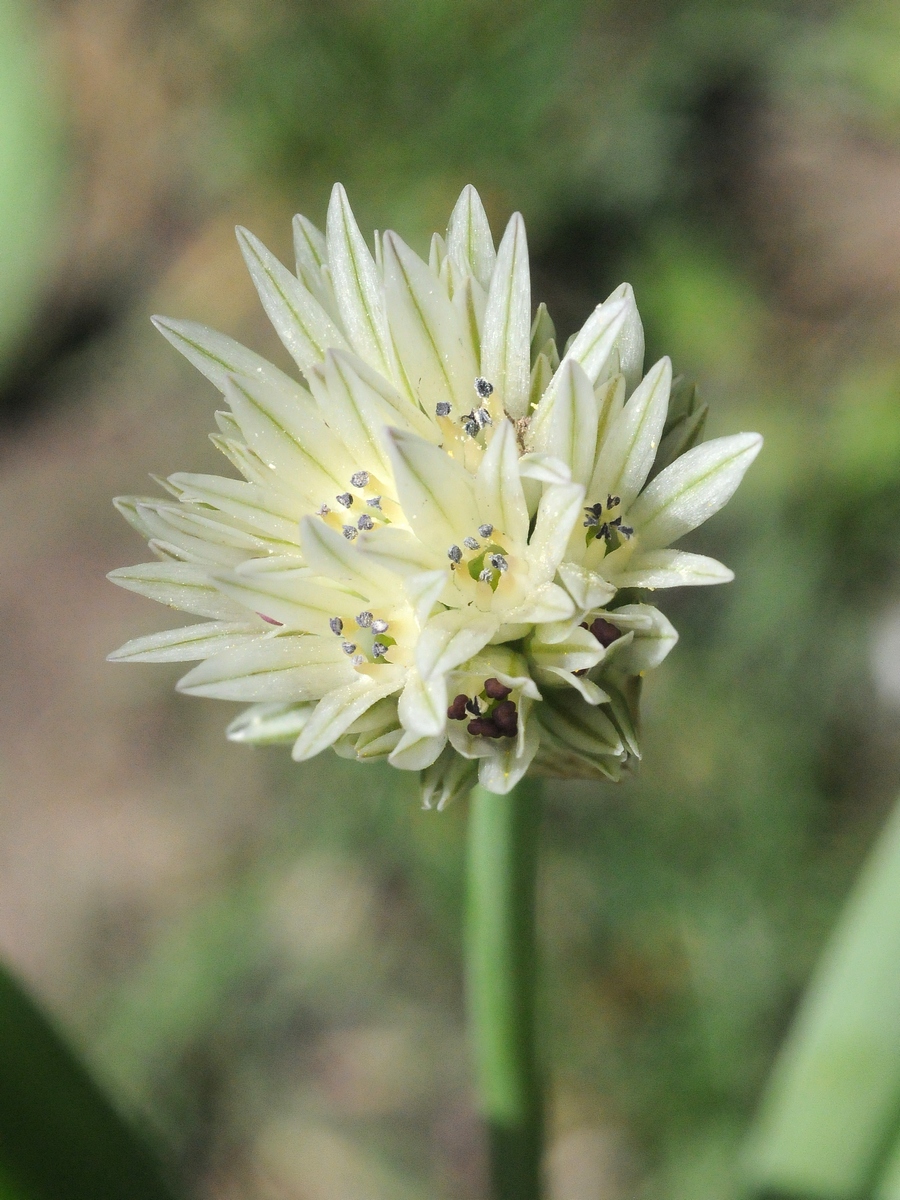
432 551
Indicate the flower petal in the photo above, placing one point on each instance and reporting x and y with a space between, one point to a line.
336 712
654 637
593 345
218 356
431 343
693 488
422 707
501 772
578 652
414 753
434 490
180 585
586 588
448 778
269 724
298 318
451 637
630 342
547 603
498 486
296 599
558 511
357 288
331 555
311 256
506 338
669 568
282 668
627 454
263 510
469 240
399 551
564 424
191 642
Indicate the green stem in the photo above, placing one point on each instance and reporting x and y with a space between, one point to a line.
500 983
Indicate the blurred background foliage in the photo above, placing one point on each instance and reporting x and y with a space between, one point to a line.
263 959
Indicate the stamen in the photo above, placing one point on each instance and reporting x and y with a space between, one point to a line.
374 502
348 647
455 554
506 718
496 690
359 479
378 648
364 620
590 520
626 531
345 499
486 576
483 388
612 501
498 562
473 706
457 710
442 409
337 625
484 727
471 543
380 626
358 660
471 426
350 532
365 522
485 530
483 417
323 510
604 631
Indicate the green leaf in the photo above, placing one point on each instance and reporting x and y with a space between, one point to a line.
61 1138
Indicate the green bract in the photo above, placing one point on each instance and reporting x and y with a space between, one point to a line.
423 556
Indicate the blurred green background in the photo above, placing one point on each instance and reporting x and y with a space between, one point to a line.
263 960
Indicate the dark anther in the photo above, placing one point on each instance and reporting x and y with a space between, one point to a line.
506 718
615 523
457 710
596 509
473 707
483 388
626 531
495 689
604 631
612 501
483 727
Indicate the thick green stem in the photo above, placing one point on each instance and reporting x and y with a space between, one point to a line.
500 983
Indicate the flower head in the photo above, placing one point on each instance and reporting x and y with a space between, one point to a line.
423 556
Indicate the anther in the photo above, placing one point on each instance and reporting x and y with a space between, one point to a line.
442 409
496 690
626 531
380 626
506 718
604 631
378 648
485 530
364 620
337 625
498 562
374 502
590 520
483 388
457 710
365 522
358 660
483 417
350 532
348 647
345 499
454 554
484 727
323 510
612 501
486 575
359 479
471 543
471 427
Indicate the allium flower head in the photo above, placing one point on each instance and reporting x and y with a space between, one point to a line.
424 554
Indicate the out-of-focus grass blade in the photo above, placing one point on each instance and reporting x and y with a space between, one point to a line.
888 1187
60 1137
834 1096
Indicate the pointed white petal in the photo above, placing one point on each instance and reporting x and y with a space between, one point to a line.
670 568
693 488
446 780
218 356
331 555
180 585
414 753
296 599
587 689
582 728
431 342
579 652
282 668
192 642
263 510
399 551
593 346
544 468
627 455
586 588
498 486
501 772
506 338
630 342
559 510
565 422
423 592
298 318
269 724
434 490
311 256
469 240
357 287
546 603
654 637
422 707
451 637
336 712
180 519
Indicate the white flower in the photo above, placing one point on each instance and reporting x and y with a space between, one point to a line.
422 556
